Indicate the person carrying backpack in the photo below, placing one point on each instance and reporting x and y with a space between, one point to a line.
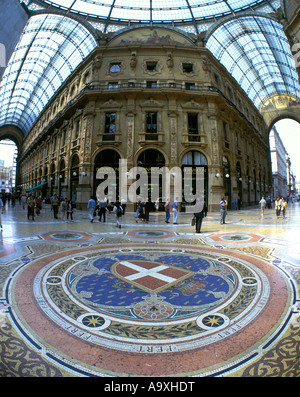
118 211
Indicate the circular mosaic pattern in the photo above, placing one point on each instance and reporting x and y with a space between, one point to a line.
66 236
150 234
236 238
143 301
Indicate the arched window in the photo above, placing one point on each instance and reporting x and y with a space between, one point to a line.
194 158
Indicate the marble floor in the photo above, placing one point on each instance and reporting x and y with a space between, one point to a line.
82 299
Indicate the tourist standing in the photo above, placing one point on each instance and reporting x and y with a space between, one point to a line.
167 210
70 210
200 211
142 211
175 211
102 209
63 208
55 205
91 208
30 207
117 209
262 204
223 210
277 206
284 207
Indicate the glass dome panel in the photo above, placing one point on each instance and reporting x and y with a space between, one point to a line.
257 54
157 10
48 51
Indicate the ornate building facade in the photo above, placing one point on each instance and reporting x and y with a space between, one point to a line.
156 98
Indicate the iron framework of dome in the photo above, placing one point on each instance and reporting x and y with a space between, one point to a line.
246 36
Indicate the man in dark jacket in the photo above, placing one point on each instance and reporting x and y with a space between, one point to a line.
55 205
200 211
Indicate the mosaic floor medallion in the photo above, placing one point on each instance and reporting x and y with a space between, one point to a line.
65 236
236 238
150 234
127 309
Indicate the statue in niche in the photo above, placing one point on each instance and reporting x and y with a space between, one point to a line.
96 66
170 61
133 60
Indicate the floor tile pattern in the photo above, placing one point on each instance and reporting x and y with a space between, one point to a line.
81 299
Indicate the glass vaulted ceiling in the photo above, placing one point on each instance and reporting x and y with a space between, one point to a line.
49 50
253 48
177 12
257 54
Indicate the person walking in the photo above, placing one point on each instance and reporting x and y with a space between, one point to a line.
64 208
284 207
118 211
277 206
200 211
102 210
142 211
91 208
262 204
55 205
167 210
30 207
175 211
70 210
137 212
223 210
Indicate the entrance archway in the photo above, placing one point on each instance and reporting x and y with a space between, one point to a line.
150 160
8 158
284 147
191 163
109 159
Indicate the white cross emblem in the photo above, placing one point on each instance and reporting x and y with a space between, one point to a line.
149 276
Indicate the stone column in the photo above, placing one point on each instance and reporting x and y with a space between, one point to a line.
215 180
86 176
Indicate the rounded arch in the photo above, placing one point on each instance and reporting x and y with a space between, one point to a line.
249 46
193 163
193 158
152 157
14 134
75 161
76 17
107 157
152 28
143 150
283 116
219 23
184 153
